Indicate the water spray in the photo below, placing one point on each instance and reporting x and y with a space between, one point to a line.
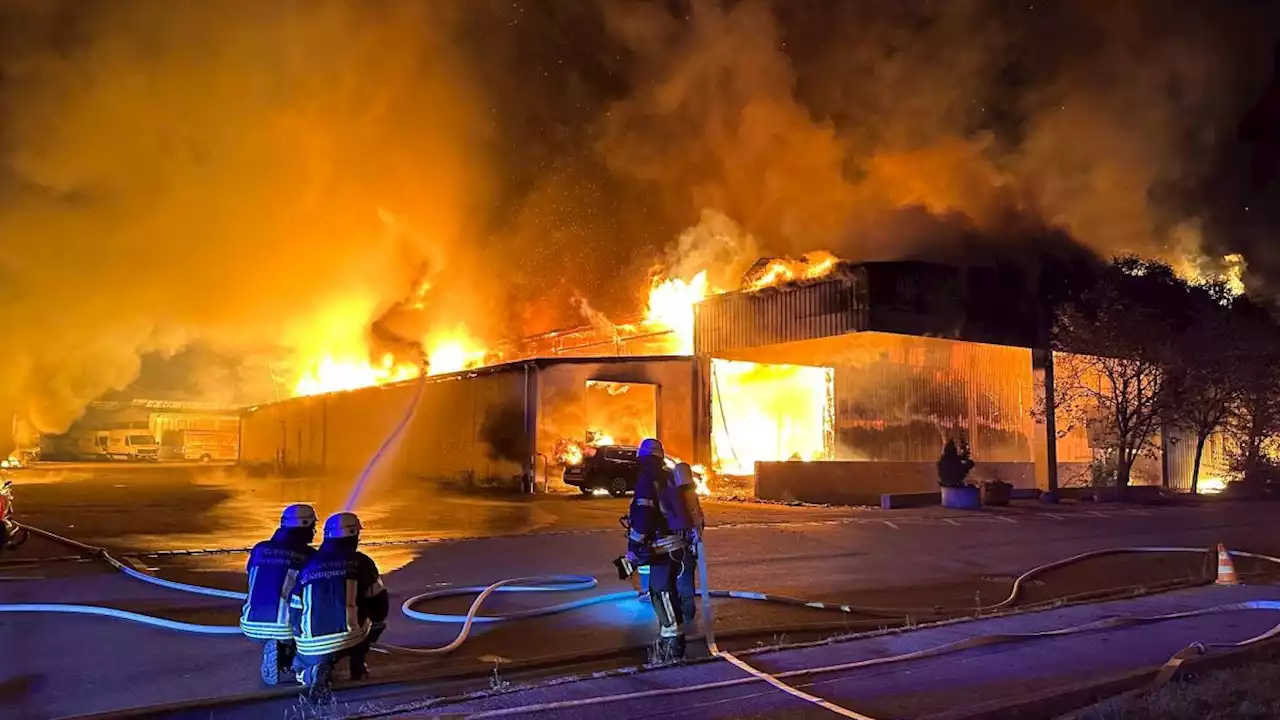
358 487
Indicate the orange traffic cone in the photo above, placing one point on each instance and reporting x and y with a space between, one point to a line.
1226 568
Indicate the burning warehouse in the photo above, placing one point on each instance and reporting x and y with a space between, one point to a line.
506 426
820 380
869 368
872 369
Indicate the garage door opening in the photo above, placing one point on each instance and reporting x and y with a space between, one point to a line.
768 413
601 413
621 413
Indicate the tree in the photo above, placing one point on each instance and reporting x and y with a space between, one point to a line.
1205 377
1253 420
1114 343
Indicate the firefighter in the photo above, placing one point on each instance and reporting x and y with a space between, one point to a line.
344 606
273 569
661 535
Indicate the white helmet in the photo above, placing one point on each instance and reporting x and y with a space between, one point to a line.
651 447
342 525
298 516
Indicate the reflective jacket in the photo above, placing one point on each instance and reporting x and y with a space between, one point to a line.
273 569
342 596
647 522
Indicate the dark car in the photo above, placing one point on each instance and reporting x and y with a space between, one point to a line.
610 467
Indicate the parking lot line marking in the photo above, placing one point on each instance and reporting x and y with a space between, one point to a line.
886 522
1055 516
1095 513
1009 520
949 521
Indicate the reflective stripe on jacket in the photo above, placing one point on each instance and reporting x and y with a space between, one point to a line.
273 569
336 589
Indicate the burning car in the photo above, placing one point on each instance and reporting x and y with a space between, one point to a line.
612 469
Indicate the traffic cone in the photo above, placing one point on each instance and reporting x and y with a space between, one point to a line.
1226 568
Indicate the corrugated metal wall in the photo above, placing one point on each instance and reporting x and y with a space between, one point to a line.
468 430
898 398
1182 456
776 315
462 430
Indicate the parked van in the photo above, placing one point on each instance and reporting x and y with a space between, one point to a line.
127 444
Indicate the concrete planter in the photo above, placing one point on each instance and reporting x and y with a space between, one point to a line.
996 494
1108 494
962 498
1144 494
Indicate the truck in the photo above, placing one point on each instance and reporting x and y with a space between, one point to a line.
201 445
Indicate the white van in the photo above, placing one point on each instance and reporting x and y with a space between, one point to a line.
127 444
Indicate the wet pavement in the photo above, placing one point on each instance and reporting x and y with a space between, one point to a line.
902 559
155 507
970 679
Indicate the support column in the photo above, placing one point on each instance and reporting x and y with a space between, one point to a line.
530 401
701 409
1045 446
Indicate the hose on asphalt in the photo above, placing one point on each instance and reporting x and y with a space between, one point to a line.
965 644
563 583
557 583
100 611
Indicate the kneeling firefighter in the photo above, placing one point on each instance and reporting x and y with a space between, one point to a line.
273 569
663 524
344 605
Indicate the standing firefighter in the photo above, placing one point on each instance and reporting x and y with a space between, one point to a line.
344 606
663 524
273 569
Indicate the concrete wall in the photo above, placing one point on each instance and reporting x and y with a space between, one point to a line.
862 482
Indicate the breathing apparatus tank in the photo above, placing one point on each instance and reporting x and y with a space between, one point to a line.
680 501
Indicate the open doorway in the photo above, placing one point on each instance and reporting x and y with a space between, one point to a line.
601 412
621 413
767 412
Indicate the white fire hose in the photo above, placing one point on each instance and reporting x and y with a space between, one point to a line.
562 583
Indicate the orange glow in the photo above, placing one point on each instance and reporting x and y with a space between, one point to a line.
448 351
783 270
452 351
572 452
763 413
671 302
335 374
1230 271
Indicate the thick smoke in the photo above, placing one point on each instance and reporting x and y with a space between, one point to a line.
261 177
182 170
815 123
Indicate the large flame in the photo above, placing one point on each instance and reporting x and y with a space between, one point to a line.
449 350
783 270
769 413
454 350
671 299
343 363
336 373
671 302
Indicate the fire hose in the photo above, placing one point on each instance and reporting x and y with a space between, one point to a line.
546 583
563 583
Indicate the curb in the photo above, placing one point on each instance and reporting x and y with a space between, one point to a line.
1067 702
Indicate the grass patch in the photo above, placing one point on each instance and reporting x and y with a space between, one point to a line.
1250 691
